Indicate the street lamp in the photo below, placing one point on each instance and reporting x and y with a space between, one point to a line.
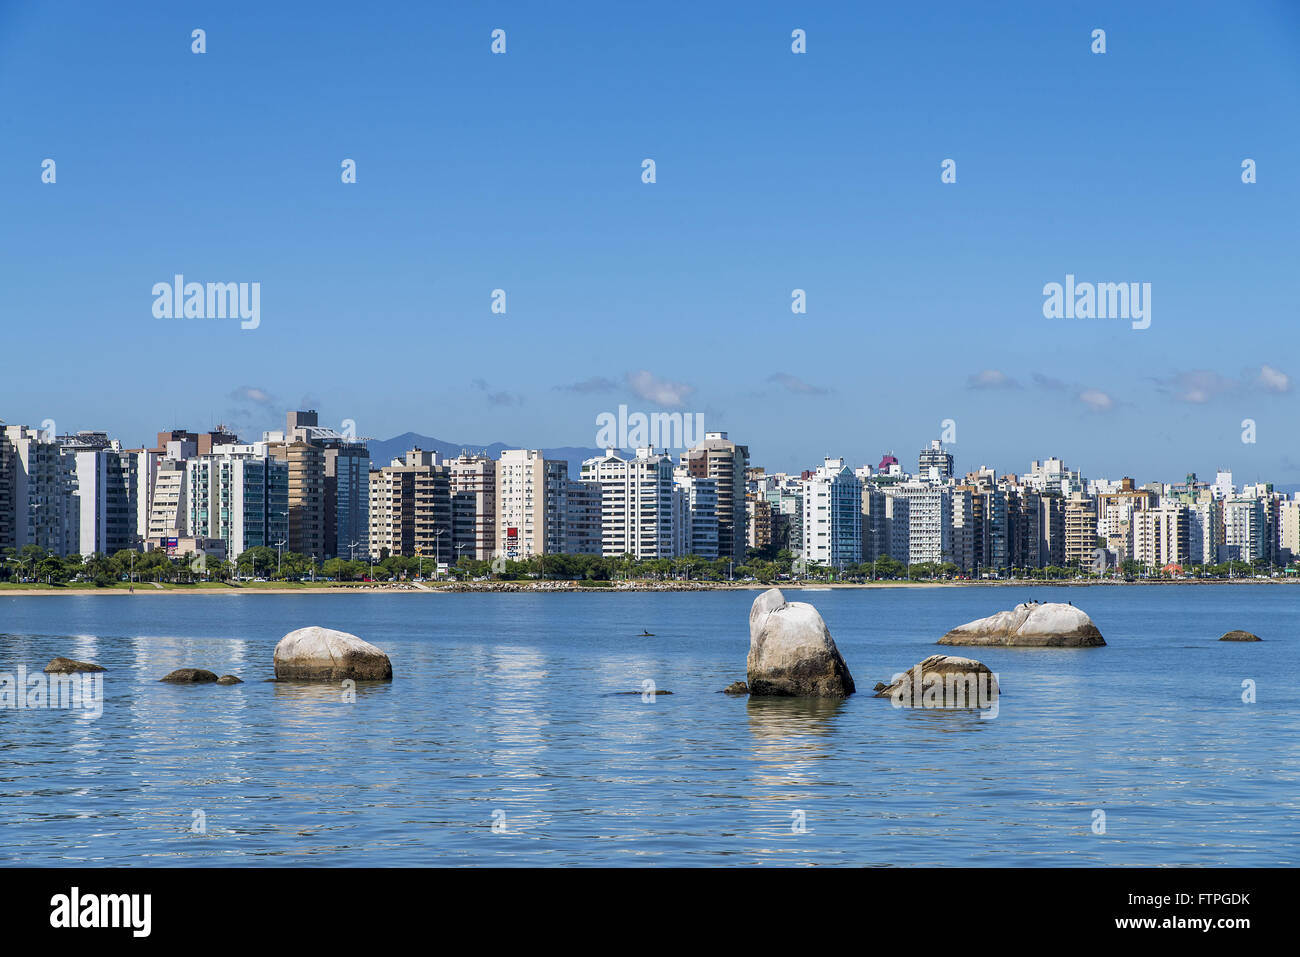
352 553
277 558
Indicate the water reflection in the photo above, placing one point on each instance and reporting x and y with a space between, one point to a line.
789 735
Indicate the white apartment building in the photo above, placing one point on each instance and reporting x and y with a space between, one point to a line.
1222 488
637 513
1053 476
240 498
1204 525
929 519
43 489
531 504
167 517
106 492
832 515
1288 530
695 504
1161 535
1243 530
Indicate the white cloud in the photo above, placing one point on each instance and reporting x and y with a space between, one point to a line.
645 385
249 393
1273 380
1096 400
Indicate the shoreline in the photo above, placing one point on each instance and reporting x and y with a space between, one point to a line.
568 587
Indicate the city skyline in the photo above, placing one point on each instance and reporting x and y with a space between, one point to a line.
316 490
776 171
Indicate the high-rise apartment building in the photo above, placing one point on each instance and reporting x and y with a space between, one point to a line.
1160 535
410 509
106 492
1024 535
583 518
934 463
167 517
758 518
1244 536
474 505
43 489
329 494
1052 477
990 521
832 515
238 496
532 504
636 503
696 514
722 460
306 465
1051 529
1080 529
1204 528
966 531
1288 531
929 521
7 512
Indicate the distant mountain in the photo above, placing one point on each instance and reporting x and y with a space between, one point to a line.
384 451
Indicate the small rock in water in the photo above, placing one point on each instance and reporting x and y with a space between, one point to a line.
612 693
229 680
943 681
736 687
1230 636
324 654
67 666
189 676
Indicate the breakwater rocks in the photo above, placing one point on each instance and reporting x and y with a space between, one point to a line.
943 681
1030 625
1240 636
791 651
574 586
323 654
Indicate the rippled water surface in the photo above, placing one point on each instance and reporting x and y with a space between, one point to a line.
502 710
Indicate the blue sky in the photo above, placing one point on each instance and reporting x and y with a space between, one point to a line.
775 171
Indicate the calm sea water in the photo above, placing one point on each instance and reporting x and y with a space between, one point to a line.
503 709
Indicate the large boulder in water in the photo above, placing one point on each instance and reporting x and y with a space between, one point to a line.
1230 636
1030 625
328 655
943 681
791 652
